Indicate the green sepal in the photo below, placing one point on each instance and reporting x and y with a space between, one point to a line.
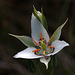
25 40
41 17
57 33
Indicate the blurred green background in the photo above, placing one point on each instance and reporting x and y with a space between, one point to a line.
15 18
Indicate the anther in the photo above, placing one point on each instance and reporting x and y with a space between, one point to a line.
43 52
35 42
50 39
36 50
41 37
51 46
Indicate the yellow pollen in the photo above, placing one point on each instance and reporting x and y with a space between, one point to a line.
43 52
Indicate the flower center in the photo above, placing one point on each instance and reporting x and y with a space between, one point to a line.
43 45
44 49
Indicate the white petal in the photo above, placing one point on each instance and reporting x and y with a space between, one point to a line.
57 33
59 45
27 53
37 28
25 40
43 60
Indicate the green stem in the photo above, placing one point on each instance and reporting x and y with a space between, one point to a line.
52 72
39 70
50 69
46 72
38 67
34 73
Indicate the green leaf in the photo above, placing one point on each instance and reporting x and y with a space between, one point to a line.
57 33
40 16
53 62
31 66
36 14
25 40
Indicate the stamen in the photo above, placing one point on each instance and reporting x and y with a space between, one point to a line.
41 37
35 42
43 52
50 39
36 50
51 46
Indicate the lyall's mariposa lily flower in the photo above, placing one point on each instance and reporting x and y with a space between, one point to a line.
40 45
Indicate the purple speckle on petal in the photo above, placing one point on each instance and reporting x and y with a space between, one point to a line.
46 57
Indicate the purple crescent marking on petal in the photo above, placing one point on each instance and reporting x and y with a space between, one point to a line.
53 50
37 54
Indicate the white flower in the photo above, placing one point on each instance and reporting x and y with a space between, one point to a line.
40 45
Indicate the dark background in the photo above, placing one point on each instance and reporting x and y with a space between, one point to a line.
15 18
